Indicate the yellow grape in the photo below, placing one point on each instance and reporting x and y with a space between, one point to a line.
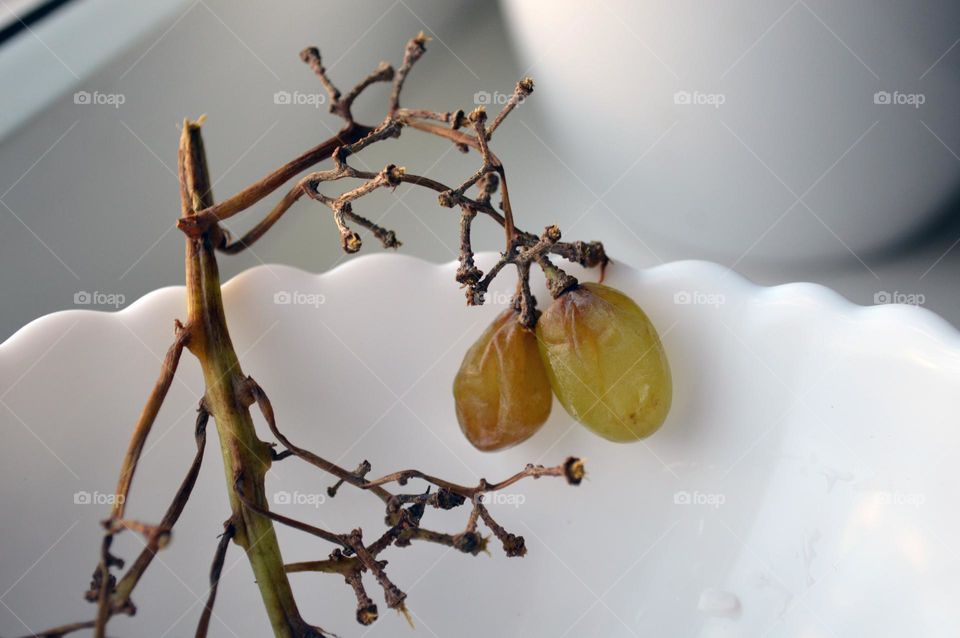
501 391
606 363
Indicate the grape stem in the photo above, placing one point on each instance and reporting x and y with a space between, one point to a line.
522 248
229 394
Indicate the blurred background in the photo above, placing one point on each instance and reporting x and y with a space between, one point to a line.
789 140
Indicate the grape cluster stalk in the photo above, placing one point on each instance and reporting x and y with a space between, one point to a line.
230 395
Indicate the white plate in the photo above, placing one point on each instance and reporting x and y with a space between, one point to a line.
804 483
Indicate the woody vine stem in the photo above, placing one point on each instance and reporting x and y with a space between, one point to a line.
230 395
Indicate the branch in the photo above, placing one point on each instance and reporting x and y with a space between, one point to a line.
266 408
404 512
414 50
215 569
229 394
147 416
572 469
286 520
252 194
126 585
522 91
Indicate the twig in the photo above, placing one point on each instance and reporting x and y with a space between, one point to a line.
266 409
215 569
414 51
229 394
147 416
124 588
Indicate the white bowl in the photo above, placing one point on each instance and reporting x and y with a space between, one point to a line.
745 130
803 484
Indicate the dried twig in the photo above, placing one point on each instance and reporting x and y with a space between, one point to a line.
229 394
215 569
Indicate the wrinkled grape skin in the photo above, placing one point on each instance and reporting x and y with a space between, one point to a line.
501 391
605 362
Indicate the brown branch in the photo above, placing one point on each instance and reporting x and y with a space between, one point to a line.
387 238
258 190
113 597
147 416
286 520
255 233
215 569
383 73
360 473
229 394
341 564
366 609
311 56
522 91
414 50
391 592
466 542
571 469
104 582
525 302
266 408
454 118
587 254
124 588
467 274
513 545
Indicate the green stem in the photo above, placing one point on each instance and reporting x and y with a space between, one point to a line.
246 459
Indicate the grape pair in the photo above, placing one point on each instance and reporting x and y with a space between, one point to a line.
593 347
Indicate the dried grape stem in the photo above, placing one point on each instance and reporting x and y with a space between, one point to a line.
125 586
266 408
587 254
147 416
229 394
530 471
246 458
215 569
252 194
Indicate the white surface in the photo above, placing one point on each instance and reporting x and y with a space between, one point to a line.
812 438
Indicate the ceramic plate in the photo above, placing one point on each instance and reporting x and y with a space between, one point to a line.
804 483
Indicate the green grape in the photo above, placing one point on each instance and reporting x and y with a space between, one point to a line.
501 391
606 363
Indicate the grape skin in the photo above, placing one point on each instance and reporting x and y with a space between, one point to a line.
501 392
605 362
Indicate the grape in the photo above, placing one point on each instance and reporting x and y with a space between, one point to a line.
502 392
606 363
